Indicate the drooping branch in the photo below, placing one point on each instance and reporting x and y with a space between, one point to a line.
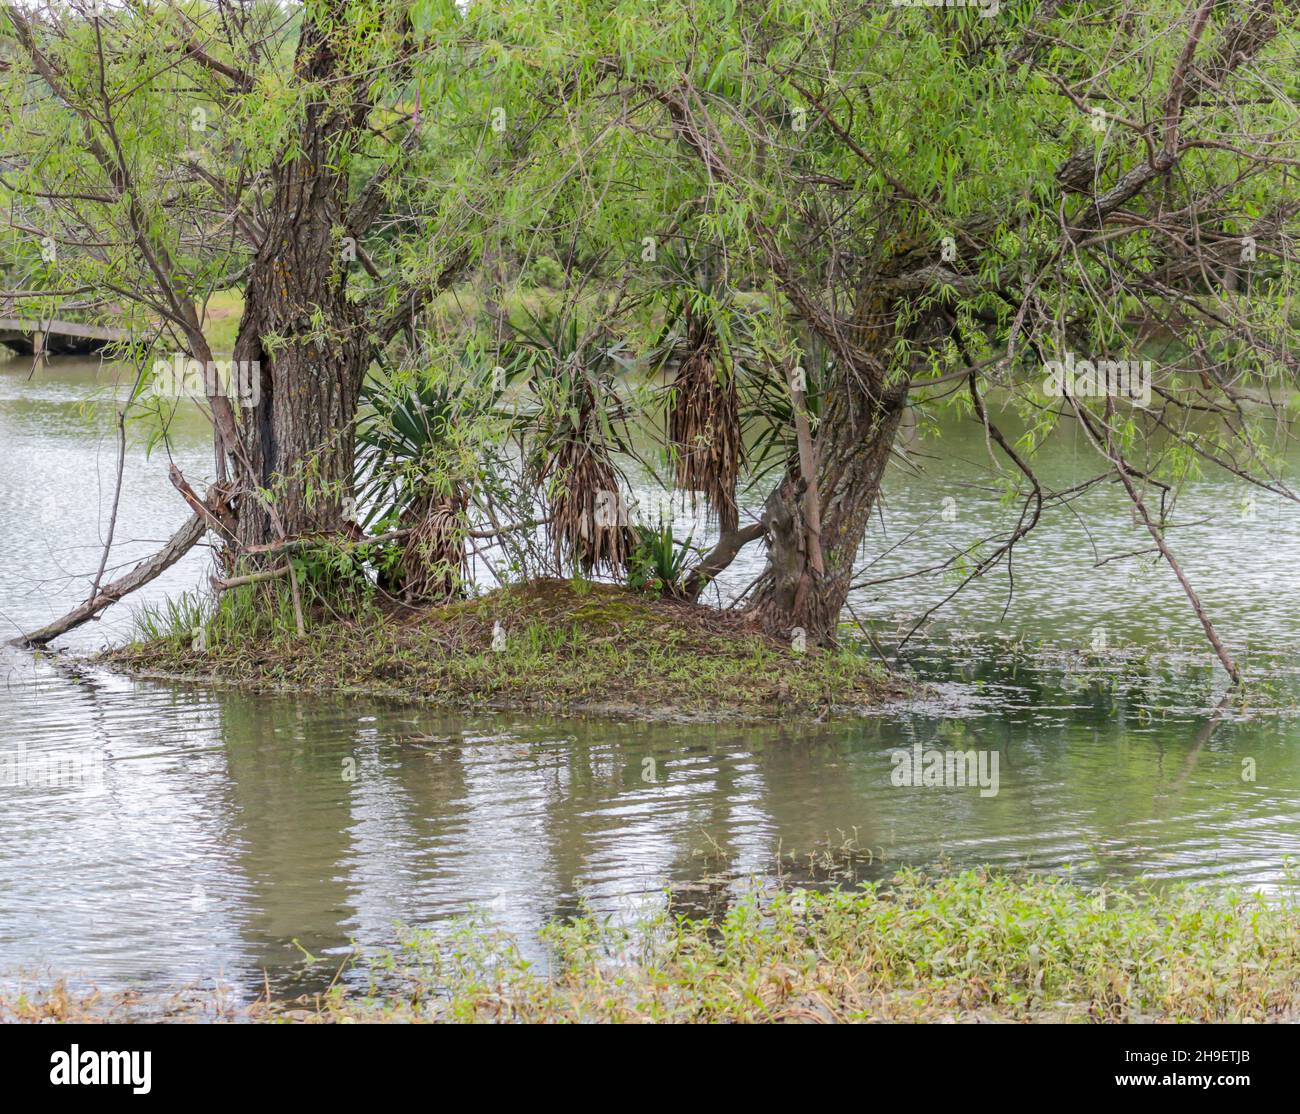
1112 453
1028 520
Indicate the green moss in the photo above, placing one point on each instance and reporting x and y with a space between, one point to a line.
608 613
569 646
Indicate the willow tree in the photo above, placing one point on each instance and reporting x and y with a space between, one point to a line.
950 200
332 162
943 201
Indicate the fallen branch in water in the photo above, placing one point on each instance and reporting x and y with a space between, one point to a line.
180 543
209 514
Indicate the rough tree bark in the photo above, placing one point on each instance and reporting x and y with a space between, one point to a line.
855 437
300 329
812 546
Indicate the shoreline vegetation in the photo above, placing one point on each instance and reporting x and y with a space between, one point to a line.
572 646
968 946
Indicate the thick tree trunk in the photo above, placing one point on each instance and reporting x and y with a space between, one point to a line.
307 339
299 439
854 440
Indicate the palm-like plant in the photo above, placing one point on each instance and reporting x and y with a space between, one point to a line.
418 470
576 433
659 562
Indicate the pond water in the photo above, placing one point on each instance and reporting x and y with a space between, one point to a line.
217 837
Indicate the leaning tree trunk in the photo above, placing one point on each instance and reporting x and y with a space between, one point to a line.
855 437
298 439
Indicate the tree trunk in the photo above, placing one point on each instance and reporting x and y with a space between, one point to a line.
304 336
299 438
854 441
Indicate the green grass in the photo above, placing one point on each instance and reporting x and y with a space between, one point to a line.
968 946
221 320
921 948
574 646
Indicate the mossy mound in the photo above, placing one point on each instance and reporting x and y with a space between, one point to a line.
553 645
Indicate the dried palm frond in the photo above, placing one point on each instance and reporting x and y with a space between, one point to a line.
576 436
588 522
433 565
704 425
704 432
